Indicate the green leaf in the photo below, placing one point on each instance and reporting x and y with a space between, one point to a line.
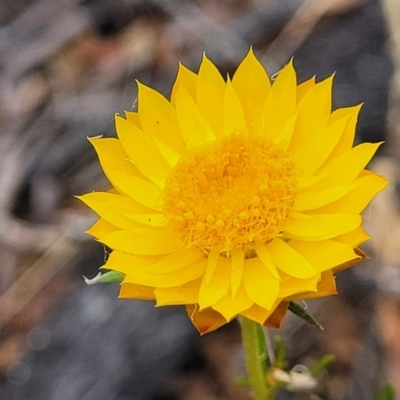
108 277
387 392
304 315
281 361
262 347
321 364
242 382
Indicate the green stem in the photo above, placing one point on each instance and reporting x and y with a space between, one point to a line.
255 359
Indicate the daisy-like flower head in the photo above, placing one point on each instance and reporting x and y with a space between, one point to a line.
234 197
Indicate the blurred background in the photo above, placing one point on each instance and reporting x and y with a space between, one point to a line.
66 66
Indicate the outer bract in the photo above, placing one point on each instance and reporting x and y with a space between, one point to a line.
233 197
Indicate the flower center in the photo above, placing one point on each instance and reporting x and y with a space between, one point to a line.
231 194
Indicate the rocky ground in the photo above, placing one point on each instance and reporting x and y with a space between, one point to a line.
66 66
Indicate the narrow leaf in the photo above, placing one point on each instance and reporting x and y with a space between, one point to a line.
262 348
108 277
387 392
281 361
242 382
321 364
304 315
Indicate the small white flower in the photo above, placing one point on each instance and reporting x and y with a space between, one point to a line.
297 380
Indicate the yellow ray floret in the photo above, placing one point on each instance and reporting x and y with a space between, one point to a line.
236 196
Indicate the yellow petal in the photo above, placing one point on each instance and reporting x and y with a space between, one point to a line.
186 79
230 306
123 174
212 261
312 200
237 264
325 287
266 259
210 103
347 139
346 168
259 314
316 152
276 318
158 118
205 321
142 150
134 118
305 87
234 118
174 262
285 135
155 220
289 260
141 191
314 110
292 286
138 292
361 256
126 263
210 95
112 156
260 285
109 207
169 155
364 189
186 274
195 130
209 73
252 85
327 284
321 226
306 182
281 102
183 294
143 241
101 228
325 254
355 237
212 291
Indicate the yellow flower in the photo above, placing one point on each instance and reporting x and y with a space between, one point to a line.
233 197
